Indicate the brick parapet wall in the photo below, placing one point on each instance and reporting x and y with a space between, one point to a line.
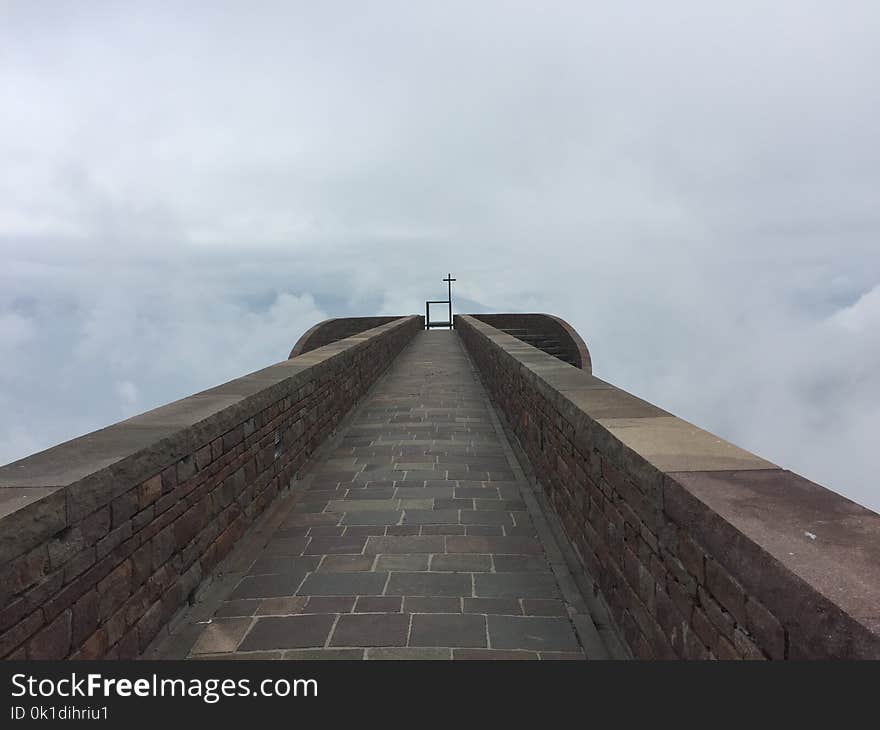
105 538
700 549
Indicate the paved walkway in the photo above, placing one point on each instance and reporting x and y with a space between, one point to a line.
412 540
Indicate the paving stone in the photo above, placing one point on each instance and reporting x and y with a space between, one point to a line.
378 604
531 632
371 629
499 545
430 516
371 517
431 604
485 517
346 563
520 563
281 606
406 563
408 653
563 655
543 607
286 546
241 607
516 585
343 584
487 654
423 492
267 586
288 632
429 584
221 635
448 630
406 544
323 654
484 530
335 545
508 606
461 563
329 604
403 530
283 564
443 529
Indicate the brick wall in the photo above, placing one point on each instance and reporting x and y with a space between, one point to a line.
699 548
105 538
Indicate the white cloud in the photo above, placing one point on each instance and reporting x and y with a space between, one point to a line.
694 187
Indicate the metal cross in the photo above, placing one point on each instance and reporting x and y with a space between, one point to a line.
449 281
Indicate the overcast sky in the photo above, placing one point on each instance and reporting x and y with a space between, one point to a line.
695 186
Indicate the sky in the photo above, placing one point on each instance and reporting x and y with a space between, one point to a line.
187 187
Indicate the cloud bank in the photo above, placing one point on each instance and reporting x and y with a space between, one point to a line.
187 188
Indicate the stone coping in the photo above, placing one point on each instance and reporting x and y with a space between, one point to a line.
43 493
809 554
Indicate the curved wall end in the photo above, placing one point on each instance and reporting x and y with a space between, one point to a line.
547 332
331 330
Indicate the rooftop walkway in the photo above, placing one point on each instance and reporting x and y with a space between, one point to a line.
412 539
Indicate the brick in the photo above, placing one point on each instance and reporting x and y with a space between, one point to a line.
766 629
53 641
726 591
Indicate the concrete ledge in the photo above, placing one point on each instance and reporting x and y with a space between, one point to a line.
700 548
103 538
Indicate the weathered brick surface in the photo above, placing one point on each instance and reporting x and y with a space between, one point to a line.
98 566
700 549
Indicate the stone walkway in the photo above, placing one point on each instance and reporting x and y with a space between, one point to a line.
412 541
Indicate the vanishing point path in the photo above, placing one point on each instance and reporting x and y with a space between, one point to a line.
412 539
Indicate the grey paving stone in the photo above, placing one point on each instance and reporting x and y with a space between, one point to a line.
371 629
378 604
486 517
453 630
286 546
324 654
402 562
221 635
283 564
543 607
288 632
507 606
431 604
281 606
346 563
430 516
461 563
429 584
487 654
531 632
329 604
241 607
408 653
343 584
267 586
371 517
516 585
500 545
520 563
335 545
405 544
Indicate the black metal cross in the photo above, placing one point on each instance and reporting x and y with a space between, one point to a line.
449 281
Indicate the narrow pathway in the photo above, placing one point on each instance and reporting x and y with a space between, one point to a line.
411 542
